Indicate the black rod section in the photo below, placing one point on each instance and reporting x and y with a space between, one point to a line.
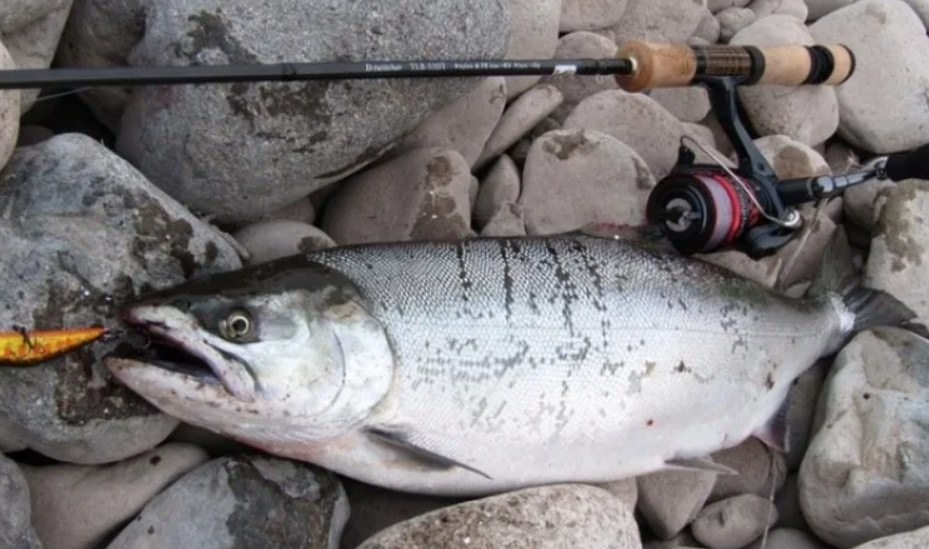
286 72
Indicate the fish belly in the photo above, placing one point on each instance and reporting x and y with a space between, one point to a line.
574 359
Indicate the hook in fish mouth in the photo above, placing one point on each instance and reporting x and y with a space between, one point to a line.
180 345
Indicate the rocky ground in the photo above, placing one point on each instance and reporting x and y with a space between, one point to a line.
113 191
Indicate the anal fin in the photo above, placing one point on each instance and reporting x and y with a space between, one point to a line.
419 449
775 434
702 465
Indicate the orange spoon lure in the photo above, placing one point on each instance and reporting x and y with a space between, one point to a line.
25 348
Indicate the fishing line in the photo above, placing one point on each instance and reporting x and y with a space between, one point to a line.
62 94
771 477
807 232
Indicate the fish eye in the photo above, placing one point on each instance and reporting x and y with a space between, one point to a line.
237 325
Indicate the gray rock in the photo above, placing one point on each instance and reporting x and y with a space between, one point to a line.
762 471
533 35
892 66
898 261
500 185
10 111
244 501
864 202
588 15
864 475
793 8
81 506
32 39
421 195
684 540
574 177
841 158
801 408
82 232
10 440
716 6
709 30
520 150
723 144
820 8
15 14
687 104
671 500
808 114
267 240
509 220
638 121
625 489
238 151
800 260
102 33
791 158
214 444
375 509
659 20
574 88
921 7
32 135
733 20
702 134
735 522
464 125
914 539
566 515
519 118
787 501
16 531
301 211
787 538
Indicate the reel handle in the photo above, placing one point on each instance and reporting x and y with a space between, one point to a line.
659 65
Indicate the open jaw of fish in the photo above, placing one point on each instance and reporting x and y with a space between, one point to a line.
466 368
203 357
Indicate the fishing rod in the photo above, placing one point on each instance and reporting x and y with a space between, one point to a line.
637 66
700 208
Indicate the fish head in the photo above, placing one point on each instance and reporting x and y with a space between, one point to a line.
283 351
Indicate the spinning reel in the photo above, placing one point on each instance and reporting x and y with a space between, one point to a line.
702 208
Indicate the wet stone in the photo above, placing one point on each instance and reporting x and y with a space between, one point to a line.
242 502
85 232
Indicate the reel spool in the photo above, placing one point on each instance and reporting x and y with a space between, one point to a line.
702 210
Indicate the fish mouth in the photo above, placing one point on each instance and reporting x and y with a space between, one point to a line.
178 345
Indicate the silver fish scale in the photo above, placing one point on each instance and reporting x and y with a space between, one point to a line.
570 347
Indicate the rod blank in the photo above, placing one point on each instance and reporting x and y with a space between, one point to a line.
293 72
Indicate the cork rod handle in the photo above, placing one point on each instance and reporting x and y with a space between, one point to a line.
675 65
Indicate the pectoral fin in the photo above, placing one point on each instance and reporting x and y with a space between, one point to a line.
703 465
419 447
776 432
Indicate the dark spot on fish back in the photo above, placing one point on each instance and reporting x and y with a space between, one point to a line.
650 422
769 381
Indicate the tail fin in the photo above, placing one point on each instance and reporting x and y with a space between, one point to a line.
875 308
870 307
